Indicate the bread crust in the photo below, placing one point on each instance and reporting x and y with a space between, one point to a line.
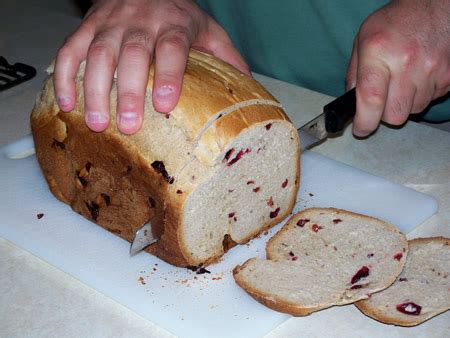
210 86
381 316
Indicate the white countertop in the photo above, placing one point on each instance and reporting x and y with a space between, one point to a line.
38 300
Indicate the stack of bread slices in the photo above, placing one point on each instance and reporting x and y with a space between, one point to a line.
326 257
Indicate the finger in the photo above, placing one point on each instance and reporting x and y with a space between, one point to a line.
68 61
424 95
172 49
399 102
100 67
372 85
132 73
222 47
350 78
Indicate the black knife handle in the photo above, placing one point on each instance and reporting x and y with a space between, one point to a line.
340 111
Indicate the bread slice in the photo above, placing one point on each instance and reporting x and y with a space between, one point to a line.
422 290
324 257
202 174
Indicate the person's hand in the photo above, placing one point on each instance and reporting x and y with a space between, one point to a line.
128 35
400 62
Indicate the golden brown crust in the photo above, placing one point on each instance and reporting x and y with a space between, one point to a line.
118 198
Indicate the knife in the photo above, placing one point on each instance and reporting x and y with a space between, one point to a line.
334 118
142 238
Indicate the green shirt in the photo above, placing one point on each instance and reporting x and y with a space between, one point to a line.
305 42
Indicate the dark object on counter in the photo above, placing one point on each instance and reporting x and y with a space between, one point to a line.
12 75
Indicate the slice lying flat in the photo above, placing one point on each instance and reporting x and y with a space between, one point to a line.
421 292
324 257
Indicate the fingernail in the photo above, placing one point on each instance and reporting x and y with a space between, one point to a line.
128 119
164 91
96 118
359 133
64 101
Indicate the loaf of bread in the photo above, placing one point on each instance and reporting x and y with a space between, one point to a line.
422 290
219 169
324 257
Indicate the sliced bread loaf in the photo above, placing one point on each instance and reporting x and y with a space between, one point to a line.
203 174
422 290
324 257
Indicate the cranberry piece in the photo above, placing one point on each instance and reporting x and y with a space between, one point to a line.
291 254
257 189
274 213
179 192
40 215
236 158
301 222
403 279
354 287
270 202
231 214
337 220
160 167
370 255
250 182
409 308
398 256
294 258
285 183
94 209
201 271
58 144
228 155
316 227
106 198
268 126
362 273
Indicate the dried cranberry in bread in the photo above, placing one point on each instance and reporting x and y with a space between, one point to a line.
188 172
422 290
324 257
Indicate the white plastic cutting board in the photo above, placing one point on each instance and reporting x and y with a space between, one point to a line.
186 304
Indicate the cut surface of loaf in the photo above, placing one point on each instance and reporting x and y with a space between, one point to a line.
324 257
422 290
187 172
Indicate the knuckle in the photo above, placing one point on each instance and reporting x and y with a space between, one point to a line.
65 52
408 55
130 96
397 112
371 95
100 50
431 64
376 41
134 50
177 38
138 36
370 86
